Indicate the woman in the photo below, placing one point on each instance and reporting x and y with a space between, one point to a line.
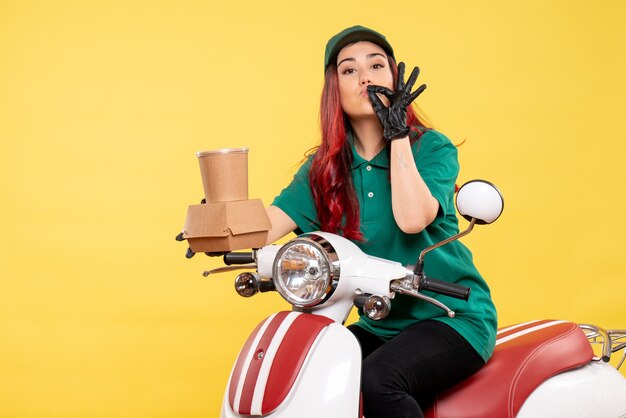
384 180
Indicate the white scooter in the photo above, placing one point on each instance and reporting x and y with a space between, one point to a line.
305 363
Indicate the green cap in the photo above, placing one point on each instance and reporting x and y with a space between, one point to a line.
350 36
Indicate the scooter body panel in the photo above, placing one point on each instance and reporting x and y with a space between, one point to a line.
590 391
327 385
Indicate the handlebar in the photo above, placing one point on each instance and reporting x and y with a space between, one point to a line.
238 258
444 288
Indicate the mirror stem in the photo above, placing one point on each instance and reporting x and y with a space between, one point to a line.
419 267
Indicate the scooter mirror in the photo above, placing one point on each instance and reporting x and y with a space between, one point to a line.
480 200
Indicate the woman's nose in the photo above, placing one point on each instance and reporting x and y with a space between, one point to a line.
365 79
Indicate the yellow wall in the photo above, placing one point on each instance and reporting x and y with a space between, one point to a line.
103 104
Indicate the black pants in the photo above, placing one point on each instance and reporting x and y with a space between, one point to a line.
424 359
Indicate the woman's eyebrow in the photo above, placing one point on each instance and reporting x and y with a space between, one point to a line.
346 59
372 55
368 56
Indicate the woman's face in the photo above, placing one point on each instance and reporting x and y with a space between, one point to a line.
359 65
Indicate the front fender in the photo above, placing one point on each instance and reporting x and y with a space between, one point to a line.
296 364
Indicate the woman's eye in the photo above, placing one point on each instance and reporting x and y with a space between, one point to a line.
377 66
348 71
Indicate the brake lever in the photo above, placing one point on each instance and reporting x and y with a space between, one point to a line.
399 286
228 268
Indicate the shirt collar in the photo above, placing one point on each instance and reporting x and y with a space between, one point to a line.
380 160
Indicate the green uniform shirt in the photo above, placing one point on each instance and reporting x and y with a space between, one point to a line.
436 159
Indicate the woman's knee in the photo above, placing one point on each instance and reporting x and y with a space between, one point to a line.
378 385
384 395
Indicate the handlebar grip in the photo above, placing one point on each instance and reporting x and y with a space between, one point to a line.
238 258
444 288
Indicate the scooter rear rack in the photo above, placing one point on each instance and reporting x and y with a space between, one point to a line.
609 341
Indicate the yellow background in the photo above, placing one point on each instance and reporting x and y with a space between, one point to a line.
103 105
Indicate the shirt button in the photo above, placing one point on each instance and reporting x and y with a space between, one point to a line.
370 194
368 168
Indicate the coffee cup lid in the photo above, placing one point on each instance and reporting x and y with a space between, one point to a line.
222 151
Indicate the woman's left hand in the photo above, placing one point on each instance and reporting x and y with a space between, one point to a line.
393 118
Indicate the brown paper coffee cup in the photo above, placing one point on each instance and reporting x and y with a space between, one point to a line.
224 174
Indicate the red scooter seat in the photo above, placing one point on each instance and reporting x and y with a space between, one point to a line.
525 356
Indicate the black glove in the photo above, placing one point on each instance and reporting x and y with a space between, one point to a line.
190 253
393 118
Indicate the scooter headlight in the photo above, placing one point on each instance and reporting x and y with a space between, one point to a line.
305 271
